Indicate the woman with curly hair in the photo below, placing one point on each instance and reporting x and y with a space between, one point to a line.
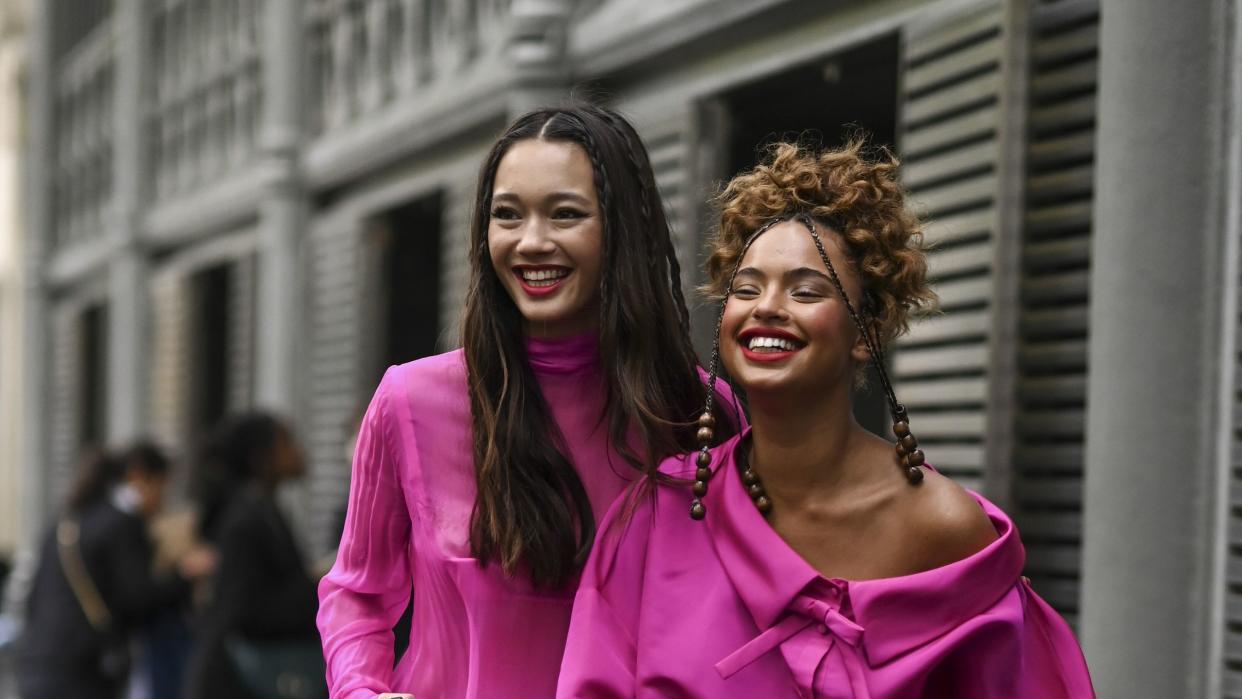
822 561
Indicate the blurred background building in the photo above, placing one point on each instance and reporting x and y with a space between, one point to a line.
12 64
236 203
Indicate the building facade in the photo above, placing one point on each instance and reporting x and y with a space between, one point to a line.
238 203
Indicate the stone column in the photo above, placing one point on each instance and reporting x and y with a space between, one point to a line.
13 51
282 215
538 41
128 302
38 160
1157 323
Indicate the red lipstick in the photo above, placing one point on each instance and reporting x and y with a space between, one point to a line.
744 337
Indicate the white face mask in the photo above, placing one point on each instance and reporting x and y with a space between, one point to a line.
126 498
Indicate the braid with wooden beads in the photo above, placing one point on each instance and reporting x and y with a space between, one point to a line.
707 421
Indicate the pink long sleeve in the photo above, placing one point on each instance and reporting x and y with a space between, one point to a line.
368 588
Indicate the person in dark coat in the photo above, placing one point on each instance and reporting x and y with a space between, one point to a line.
262 590
72 647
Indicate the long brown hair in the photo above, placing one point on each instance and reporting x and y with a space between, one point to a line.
531 509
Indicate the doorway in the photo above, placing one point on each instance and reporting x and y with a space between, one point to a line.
820 103
409 257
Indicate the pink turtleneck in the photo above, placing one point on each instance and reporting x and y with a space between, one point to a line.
476 632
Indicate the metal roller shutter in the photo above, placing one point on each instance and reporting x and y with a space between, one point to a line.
948 139
1052 360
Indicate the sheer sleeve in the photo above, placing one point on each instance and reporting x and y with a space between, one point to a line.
368 588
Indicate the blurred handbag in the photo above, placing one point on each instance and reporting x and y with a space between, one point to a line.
114 657
279 669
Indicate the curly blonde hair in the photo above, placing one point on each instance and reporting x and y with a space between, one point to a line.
856 196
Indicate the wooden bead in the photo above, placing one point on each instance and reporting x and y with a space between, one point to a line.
909 443
697 511
707 420
763 504
700 488
749 477
901 451
914 474
901 429
755 491
703 473
915 458
704 458
705 435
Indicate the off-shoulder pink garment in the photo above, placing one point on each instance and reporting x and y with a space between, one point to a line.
476 632
671 607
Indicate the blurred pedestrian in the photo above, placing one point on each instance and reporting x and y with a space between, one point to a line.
94 586
258 622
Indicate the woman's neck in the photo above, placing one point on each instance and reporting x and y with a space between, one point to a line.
803 450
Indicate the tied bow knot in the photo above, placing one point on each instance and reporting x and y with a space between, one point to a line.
830 616
807 611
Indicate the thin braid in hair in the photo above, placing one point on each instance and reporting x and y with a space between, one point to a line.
873 345
667 249
605 201
713 366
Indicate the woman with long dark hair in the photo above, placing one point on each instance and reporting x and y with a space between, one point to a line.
479 474
262 596
95 587
807 556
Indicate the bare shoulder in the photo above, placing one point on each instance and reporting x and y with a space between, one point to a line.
950 523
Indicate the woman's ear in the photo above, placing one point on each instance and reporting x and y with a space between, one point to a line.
859 352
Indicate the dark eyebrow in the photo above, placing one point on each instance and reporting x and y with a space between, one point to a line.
803 272
799 273
564 195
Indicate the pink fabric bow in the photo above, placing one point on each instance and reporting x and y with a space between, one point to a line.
806 612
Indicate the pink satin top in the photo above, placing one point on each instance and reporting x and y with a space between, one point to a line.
476 632
725 608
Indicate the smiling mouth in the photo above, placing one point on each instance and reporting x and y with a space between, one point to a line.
768 345
765 344
539 281
542 277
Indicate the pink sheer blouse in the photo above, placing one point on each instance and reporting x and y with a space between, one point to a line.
476 632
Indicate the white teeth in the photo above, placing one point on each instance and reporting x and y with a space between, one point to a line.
780 343
547 276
